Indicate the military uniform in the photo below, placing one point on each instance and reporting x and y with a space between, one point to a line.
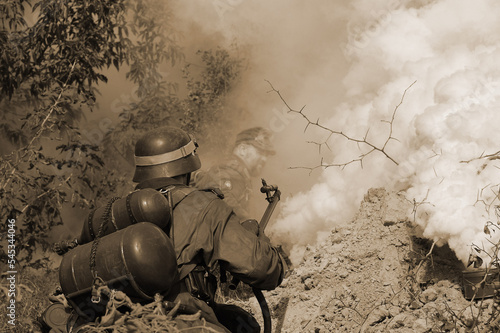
233 179
206 232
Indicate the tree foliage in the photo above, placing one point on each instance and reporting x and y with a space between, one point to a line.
49 71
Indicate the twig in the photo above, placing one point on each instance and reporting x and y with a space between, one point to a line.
494 156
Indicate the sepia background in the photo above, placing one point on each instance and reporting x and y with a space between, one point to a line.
401 95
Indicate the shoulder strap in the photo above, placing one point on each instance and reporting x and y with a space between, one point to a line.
179 192
215 190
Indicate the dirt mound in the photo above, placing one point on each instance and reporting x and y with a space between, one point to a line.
374 275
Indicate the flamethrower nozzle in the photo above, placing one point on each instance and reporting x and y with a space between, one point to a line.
267 188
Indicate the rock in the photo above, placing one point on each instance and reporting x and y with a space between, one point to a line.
415 304
453 294
394 311
469 316
428 295
346 232
346 313
336 238
343 273
404 319
374 195
305 275
396 208
420 326
397 322
309 284
377 316
444 284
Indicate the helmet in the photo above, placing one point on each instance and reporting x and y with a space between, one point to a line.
165 152
258 137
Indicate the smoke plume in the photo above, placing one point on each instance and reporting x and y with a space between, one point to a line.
350 64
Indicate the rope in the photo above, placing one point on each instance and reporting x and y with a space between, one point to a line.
123 315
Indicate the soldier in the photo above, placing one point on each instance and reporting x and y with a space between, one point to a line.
233 176
205 230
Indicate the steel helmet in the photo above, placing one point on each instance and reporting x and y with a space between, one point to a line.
165 152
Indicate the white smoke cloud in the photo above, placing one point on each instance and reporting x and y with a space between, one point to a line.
449 116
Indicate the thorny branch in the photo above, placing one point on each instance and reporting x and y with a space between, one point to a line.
494 156
488 204
364 141
416 205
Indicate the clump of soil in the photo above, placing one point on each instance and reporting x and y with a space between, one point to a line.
372 275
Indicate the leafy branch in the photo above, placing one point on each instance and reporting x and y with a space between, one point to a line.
28 148
331 132
49 72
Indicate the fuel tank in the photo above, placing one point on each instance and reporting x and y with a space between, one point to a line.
139 260
145 205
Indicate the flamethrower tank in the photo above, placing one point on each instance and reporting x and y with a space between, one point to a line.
139 260
146 205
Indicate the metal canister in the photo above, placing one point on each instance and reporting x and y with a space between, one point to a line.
145 205
55 318
139 260
479 283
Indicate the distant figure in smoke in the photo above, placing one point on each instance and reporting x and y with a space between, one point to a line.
234 175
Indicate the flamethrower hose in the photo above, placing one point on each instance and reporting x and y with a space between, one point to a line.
266 314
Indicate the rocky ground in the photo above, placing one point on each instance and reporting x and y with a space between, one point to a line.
374 275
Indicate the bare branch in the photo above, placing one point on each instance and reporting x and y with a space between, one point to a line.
494 156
